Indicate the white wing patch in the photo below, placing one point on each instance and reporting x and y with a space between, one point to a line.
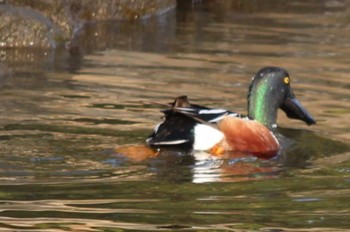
173 142
185 109
156 128
224 115
218 118
212 111
205 137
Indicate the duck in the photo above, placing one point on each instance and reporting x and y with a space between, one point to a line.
218 131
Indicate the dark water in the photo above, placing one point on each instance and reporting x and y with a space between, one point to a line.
63 115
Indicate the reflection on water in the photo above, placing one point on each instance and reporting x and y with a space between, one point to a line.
63 116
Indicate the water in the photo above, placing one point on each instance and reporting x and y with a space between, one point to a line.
63 116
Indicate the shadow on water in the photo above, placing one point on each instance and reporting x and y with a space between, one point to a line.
300 149
76 140
198 191
305 146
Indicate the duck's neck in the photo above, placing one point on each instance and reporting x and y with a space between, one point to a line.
262 106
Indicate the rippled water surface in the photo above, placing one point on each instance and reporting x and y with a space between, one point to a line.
63 118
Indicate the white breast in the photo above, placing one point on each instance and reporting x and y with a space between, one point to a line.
205 137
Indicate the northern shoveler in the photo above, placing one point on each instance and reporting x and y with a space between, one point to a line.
219 130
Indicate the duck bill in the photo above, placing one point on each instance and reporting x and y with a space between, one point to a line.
294 109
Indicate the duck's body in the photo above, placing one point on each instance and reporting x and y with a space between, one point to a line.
219 130
215 130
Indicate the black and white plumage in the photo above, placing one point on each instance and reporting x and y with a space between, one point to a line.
189 126
218 130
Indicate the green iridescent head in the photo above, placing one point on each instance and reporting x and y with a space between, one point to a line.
269 91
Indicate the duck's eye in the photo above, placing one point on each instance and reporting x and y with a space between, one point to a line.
286 80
